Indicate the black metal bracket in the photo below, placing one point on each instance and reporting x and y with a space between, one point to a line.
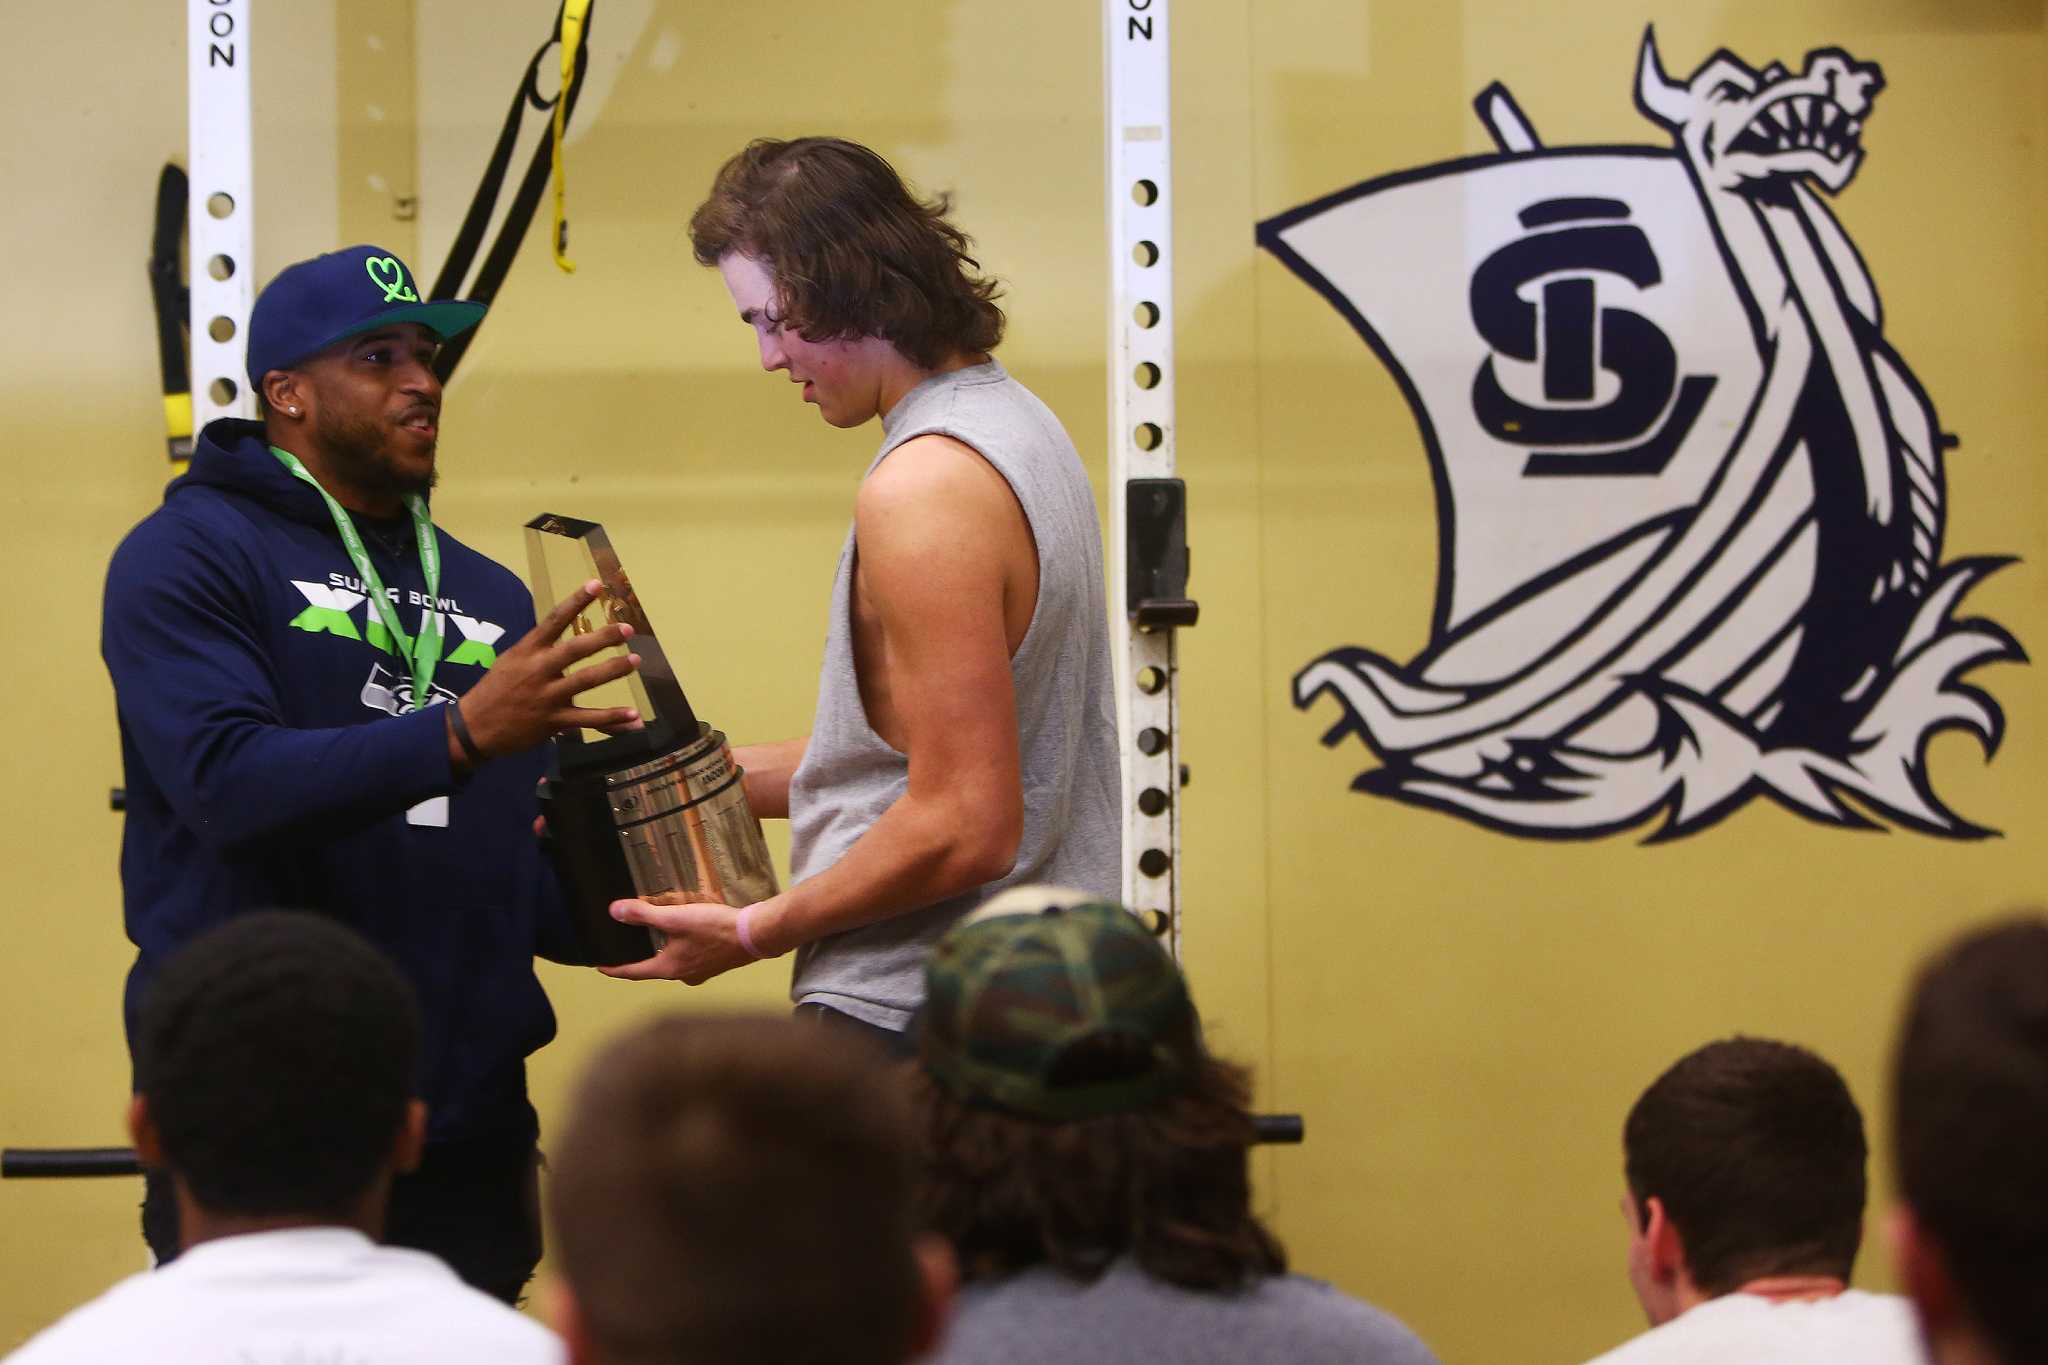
1156 554
18 1163
21 1163
1279 1127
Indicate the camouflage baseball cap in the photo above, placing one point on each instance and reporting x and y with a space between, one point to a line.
1024 997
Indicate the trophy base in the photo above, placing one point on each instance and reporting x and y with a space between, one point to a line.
674 829
583 844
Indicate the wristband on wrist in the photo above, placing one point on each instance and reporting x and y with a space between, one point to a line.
746 938
462 735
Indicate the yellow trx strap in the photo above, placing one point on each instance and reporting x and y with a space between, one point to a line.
178 429
572 40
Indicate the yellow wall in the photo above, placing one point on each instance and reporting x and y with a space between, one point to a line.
1463 1016
1466 1016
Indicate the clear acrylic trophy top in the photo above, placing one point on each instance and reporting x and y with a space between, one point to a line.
563 553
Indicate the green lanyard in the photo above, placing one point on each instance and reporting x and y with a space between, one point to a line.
423 653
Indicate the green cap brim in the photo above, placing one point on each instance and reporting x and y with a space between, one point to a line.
443 317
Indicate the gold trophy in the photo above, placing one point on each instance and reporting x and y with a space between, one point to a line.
659 812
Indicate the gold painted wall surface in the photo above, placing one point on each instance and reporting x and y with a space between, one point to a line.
1466 1015
97 106
1462 1015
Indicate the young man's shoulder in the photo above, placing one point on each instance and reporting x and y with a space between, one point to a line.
390 1297
1875 1329
1041 1313
1324 1322
931 464
933 483
113 1326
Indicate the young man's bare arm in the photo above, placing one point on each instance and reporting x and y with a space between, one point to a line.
940 540
768 768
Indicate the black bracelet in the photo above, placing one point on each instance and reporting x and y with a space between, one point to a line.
462 735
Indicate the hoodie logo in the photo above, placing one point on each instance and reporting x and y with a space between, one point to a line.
390 693
1690 499
396 290
332 608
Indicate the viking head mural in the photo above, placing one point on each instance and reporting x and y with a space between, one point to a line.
1691 500
1749 128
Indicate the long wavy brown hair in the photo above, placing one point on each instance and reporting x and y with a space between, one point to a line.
853 252
1167 1185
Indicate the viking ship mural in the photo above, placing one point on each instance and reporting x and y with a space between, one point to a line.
1690 498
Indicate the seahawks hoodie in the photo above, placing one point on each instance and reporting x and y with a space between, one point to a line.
275 760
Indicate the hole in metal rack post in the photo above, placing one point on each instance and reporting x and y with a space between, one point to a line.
1151 741
1146 376
221 329
1144 194
1156 923
1145 253
222 391
1146 315
1153 862
1152 801
1150 679
1148 436
220 203
221 267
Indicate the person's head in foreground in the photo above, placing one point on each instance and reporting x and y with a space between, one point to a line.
852 283
274 1081
1087 1157
740 1189
1745 1166
1970 1132
1072 1113
274 1078
1745 1173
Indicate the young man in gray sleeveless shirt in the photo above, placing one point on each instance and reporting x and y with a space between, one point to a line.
965 735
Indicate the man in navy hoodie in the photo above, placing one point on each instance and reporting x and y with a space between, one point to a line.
329 704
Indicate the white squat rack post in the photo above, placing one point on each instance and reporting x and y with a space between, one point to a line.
219 229
1147 519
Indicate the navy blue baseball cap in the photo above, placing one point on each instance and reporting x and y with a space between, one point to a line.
313 304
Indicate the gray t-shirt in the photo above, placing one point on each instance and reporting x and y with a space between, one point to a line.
1066 708
1042 1315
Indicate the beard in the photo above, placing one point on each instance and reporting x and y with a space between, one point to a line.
360 451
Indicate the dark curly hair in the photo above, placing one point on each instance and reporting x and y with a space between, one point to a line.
277 1053
853 252
1167 1185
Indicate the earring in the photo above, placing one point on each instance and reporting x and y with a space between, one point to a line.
294 411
